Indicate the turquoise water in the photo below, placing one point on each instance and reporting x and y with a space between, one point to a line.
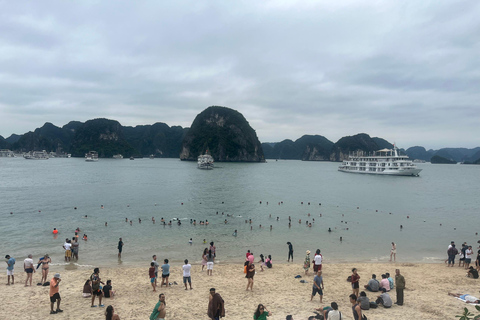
371 207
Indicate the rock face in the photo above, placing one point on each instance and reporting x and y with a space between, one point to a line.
225 133
307 148
439 159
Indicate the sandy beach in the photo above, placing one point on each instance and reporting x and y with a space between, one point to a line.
425 294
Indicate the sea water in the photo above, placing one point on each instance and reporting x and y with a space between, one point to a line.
367 211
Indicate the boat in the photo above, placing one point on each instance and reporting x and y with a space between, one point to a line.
132 158
205 161
117 156
36 155
381 162
91 156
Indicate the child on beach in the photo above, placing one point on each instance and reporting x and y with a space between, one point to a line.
151 274
306 263
355 279
262 262
204 257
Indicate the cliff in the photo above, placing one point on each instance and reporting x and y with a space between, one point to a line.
308 148
225 133
439 159
361 142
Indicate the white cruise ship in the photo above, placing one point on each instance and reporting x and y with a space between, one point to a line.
385 162
205 161
36 155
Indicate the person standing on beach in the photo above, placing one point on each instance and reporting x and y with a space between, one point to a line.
75 246
468 257
156 264
186 274
452 252
355 281
120 246
250 274
29 269
357 311
151 275
204 257
306 263
165 273
393 252
210 262
317 286
54 295
400 285
45 267
10 265
317 261
159 311
216 306
213 248
290 251
95 279
68 252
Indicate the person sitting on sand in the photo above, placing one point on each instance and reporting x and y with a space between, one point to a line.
87 289
110 314
472 273
331 313
384 283
384 299
373 284
364 301
468 298
261 313
107 290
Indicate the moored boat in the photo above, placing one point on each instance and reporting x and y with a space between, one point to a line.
91 156
36 155
382 162
205 161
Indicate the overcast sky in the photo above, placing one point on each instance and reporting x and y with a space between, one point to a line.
406 71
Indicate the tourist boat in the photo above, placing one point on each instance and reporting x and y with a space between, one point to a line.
205 161
384 162
36 155
117 156
91 156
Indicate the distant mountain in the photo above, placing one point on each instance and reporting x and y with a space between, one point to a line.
382 143
360 143
102 135
13 138
439 159
49 137
308 147
3 143
419 153
158 139
225 133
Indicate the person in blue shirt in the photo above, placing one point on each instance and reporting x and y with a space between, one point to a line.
10 263
165 273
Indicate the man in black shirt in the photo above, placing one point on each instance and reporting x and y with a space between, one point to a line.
290 251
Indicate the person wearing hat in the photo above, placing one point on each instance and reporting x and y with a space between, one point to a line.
54 295
306 263
384 299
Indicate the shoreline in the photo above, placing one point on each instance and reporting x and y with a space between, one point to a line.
426 291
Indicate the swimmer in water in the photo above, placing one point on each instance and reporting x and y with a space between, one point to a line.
235 233
126 219
206 222
329 229
190 242
105 224
131 222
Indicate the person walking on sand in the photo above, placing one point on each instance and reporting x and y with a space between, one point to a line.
159 311
393 252
165 273
261 313
290 251
29 269
216 306
96 281
186 274
355 281
213 249
120 246
250 274
400 286
204 257
10 266
306 263
317 286
54 295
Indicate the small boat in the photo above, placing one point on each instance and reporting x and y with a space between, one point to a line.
382 162
205 161
152 156
132 158
117 156
36 155
91 156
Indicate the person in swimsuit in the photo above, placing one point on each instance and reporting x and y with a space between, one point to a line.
204 258
213 248
45 267
250 275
